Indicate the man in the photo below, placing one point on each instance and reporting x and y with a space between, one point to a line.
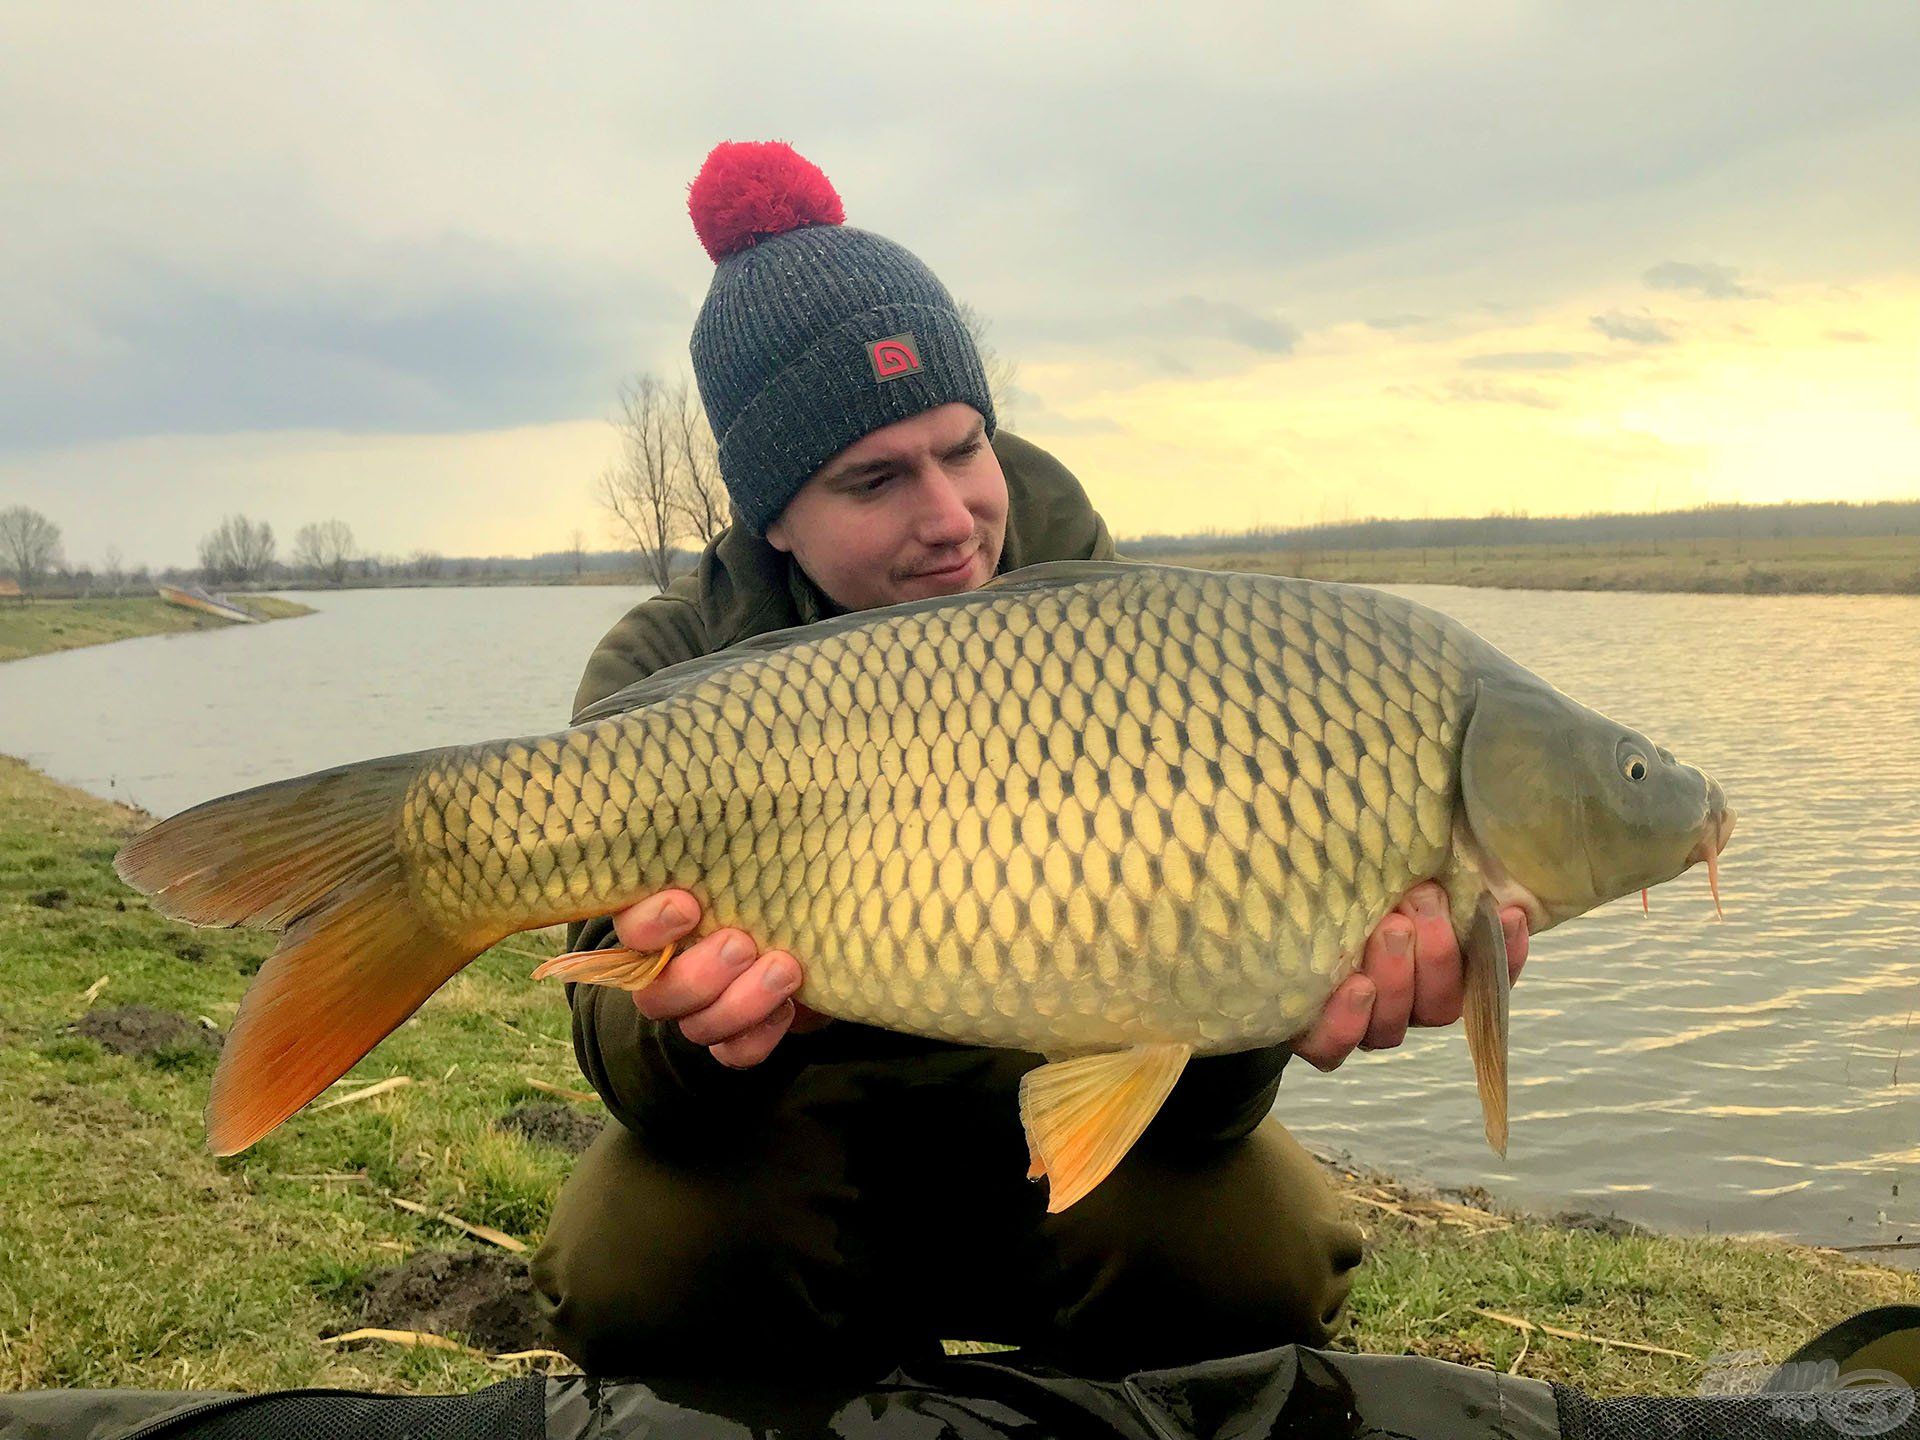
848 1197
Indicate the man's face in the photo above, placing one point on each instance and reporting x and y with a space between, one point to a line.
916 508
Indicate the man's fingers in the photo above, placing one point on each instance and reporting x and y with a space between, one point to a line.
1437 981
1389 964
747 1002
697 976
756 1044
657 921
1341 1025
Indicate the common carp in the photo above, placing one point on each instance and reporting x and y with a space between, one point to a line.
1116 814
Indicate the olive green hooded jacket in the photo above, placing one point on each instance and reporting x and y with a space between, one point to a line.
664 1087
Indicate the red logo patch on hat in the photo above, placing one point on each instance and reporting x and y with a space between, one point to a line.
893 357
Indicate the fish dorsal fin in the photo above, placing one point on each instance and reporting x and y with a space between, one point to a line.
672 679
1083 1115
1488 986
1055 573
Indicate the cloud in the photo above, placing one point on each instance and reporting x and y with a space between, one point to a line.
1526 360
1641 329
439 218
442 341
1499 392
1716 282
1185 318
1851 337
1045 422
1025 413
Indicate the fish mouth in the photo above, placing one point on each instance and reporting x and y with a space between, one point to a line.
1716 832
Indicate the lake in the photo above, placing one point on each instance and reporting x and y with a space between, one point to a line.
1752 1074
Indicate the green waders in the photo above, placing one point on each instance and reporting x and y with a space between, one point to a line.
871 1213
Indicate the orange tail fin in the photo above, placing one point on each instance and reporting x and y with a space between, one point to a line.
315 858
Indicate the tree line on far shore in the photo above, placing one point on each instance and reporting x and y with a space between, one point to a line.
1789 520
243 553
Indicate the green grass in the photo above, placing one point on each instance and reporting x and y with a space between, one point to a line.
130 1257
1838 566
1432 1265
47 625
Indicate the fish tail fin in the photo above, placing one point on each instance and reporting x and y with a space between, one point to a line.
1488 987
318 859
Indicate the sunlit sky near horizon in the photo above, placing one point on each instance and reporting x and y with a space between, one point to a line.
390 264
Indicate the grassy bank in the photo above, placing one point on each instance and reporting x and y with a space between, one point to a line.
129 1257
47 625
1873 565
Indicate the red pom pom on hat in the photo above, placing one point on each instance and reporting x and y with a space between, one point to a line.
748 191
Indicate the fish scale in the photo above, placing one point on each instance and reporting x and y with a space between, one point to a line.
1202 791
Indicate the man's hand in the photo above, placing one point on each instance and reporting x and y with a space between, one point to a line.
723 991
1411 973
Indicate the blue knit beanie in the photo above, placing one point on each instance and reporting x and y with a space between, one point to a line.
813 334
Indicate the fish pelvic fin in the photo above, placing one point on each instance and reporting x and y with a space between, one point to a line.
1083 1115
1488 988
615 966
317 859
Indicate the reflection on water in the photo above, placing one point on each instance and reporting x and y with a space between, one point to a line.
1756 1073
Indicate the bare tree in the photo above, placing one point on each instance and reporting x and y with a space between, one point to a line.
577 551
238 549
29 545
702 499
113 570
641 487
426 564
325 548
1001 372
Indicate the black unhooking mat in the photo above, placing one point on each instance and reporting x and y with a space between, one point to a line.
1287 1392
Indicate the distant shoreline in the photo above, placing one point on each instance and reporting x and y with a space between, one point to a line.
1876 565
1840 565
41 627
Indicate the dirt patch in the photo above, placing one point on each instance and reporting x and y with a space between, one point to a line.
548 1122
144 1032
482 1296
1611 1226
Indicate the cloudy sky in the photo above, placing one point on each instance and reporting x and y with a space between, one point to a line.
389 263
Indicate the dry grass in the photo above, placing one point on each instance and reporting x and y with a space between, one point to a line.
1841 566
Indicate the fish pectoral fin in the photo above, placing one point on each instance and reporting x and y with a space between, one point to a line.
1083 1115
1488 985
618 967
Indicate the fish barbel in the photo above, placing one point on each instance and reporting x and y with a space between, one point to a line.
1116 814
